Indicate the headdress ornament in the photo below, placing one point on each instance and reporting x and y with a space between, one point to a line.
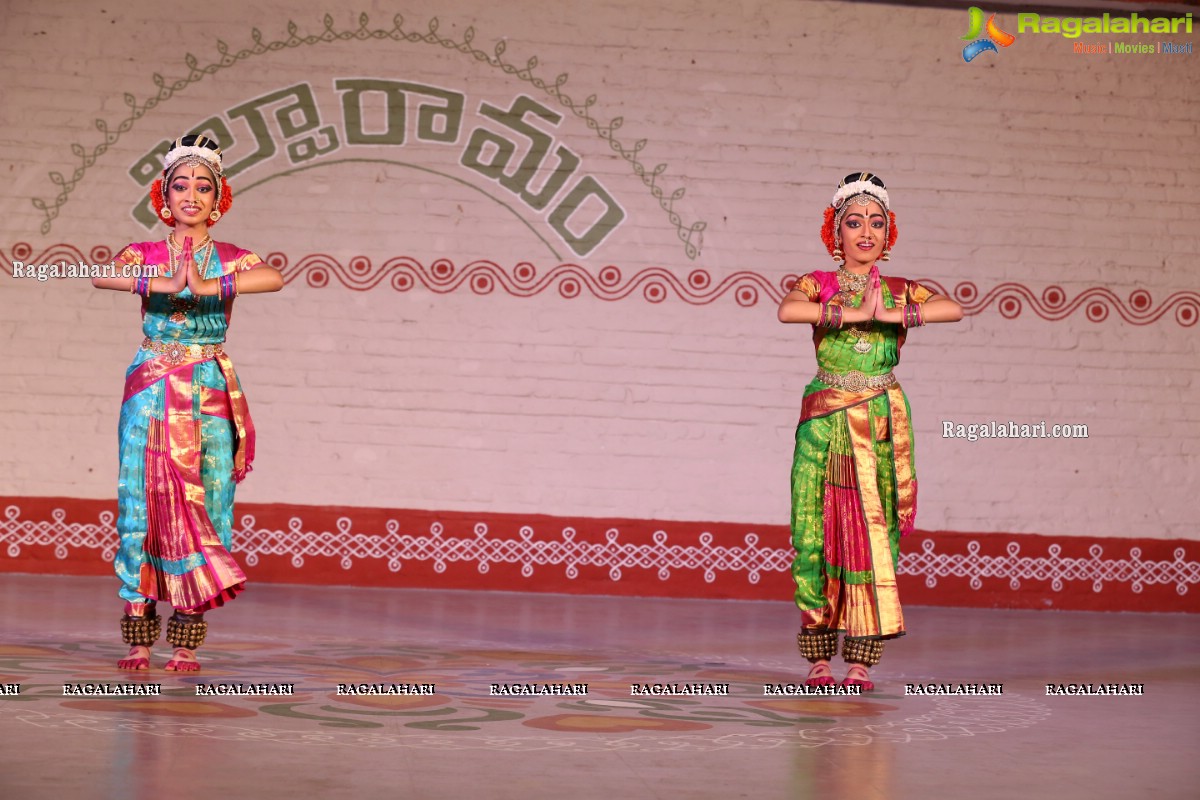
857 188
860 183
194 150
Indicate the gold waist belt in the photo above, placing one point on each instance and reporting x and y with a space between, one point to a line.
178 352
855 381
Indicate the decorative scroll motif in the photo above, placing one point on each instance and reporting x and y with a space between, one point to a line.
656 284
56 531
1054 568
691 234
1052 304
527 551
749 559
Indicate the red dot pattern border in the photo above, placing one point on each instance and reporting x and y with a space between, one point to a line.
697 287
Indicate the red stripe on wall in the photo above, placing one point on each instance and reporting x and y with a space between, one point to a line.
538 553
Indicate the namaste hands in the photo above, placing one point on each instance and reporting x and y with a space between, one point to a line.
194 279
872 303
174 283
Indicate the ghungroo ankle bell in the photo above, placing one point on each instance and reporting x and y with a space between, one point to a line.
817 645
186 630
141 631
867 652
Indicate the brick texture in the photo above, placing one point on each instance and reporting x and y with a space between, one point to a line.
1034 166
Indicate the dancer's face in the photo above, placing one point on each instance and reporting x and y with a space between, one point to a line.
192 194
862 231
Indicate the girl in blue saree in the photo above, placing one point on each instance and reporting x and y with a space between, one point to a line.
185 433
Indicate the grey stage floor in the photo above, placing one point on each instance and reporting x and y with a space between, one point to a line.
463 741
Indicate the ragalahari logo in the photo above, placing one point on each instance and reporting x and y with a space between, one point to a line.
994 37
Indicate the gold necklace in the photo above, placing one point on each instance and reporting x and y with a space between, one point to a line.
849 282
851 286
176 248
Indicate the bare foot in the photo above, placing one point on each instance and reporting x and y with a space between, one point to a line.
138 659
857 675
183 660
820 675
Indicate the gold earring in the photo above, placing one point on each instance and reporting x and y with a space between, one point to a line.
839 256
885 256
215 215
165 213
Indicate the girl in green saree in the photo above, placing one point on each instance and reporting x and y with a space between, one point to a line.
854 485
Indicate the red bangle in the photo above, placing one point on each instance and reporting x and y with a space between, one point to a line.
914 317
830 317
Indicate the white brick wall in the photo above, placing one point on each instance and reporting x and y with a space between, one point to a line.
1034 166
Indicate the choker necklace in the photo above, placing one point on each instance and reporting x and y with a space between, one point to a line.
176 247
850 283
